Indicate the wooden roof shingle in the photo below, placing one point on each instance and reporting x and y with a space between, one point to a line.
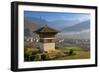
46 29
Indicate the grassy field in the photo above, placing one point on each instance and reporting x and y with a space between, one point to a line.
63 53
79 53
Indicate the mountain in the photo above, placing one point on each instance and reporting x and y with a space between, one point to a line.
69 29
31 24
61 24
37 21
77 31
57 24
29 27
78 27
85 34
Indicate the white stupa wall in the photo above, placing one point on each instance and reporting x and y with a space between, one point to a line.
48 47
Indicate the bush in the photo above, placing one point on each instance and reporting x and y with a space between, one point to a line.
37 57
57 47
26 57
29 45
44 56
32 58
71 51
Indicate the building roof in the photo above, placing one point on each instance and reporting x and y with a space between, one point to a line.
46 29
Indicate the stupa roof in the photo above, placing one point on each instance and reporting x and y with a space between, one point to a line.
46 29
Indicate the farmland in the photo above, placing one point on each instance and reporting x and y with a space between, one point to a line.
64 51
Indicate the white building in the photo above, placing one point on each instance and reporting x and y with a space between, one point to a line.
47 38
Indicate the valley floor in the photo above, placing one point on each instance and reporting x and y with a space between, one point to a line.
65 53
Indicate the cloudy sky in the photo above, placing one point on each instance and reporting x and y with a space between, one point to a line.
52 16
